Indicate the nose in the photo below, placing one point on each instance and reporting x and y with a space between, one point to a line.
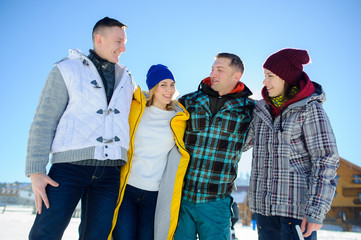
212 74
170 89
122 47
264 81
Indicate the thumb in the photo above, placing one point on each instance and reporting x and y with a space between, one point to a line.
52 182
303 224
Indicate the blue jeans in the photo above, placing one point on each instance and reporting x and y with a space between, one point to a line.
98 189
136 215
211 220
282 228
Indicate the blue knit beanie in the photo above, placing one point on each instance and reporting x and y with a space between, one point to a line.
157 73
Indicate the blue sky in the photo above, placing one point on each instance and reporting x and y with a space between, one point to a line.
185 36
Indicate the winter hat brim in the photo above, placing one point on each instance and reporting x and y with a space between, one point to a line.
157 73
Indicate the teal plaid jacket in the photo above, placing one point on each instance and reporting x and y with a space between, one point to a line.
214 144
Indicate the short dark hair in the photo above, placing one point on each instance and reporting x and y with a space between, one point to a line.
106 22
235 60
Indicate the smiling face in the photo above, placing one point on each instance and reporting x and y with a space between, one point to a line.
273 83
163 93
110 42
224 78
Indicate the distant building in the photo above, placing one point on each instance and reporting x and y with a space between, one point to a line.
240 197
22 194
346 206
16 194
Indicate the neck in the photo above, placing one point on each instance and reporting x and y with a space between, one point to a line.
98 57
159 105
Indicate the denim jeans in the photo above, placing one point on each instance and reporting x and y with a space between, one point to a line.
136 215
98 189
279 228
211 220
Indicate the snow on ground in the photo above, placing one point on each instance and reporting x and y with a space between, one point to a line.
16 221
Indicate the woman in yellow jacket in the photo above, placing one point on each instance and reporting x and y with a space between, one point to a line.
152 179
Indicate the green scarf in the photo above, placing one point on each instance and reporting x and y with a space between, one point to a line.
280 100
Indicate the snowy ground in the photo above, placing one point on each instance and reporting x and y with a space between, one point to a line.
16 222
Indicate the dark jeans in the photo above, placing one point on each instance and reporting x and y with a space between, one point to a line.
279 228
98 189
136 215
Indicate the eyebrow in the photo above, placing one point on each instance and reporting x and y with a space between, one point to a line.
218 67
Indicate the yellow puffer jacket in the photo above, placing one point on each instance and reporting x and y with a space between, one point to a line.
170 190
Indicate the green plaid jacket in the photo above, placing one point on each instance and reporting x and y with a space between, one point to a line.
214 144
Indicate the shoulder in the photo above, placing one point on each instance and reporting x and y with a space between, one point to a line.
178 107
190 98
313 107
75 56
243 103
250 102
191 95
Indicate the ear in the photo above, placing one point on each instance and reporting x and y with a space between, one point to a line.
98 40
237 76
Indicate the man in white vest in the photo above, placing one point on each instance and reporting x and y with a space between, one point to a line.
82 121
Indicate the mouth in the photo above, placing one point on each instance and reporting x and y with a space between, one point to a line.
116 54
213 81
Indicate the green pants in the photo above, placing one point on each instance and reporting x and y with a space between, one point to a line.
210 220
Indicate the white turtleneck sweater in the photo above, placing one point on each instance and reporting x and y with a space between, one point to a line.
153 141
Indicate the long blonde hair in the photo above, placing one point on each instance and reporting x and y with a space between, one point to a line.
150 99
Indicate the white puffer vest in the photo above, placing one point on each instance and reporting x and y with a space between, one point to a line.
88 120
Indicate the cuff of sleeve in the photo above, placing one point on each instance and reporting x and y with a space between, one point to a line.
35 167
312 220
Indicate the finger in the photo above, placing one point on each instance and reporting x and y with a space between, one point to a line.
45 199
308 233
53 183
36 203
39 204
303 224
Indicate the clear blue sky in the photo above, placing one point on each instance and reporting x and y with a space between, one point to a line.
185 36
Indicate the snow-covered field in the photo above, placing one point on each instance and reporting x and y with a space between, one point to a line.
16 222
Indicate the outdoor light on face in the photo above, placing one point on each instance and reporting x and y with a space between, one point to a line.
274 84
109 44
223 77
163 93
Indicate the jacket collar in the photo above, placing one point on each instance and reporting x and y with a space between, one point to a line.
241 90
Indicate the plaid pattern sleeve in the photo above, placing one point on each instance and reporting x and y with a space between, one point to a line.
215 145
321 143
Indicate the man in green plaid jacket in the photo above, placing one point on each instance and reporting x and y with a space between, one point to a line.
221 111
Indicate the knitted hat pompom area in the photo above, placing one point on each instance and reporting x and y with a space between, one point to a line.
157 73
288 64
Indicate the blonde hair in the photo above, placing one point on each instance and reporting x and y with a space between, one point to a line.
150 99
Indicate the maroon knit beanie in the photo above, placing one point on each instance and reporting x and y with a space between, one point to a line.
287 64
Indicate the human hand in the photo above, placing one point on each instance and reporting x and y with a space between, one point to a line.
39 181
310 227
